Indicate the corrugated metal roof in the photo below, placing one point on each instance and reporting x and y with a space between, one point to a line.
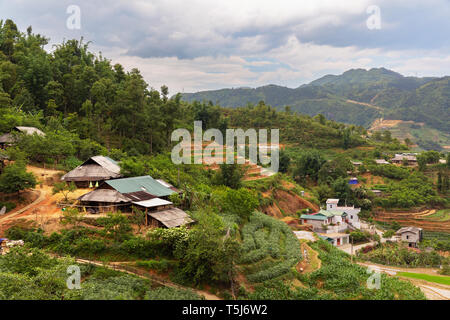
408 229
30 130
104 195
332 200
313 217
171 218
164 183
168 185
326 213
156 202
144 183
139 196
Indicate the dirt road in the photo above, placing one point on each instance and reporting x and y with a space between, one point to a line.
432 291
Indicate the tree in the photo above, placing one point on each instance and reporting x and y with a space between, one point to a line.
210 254
230 175
64 189
241 202
139 218
439 181
309 164
346 137
408 142
15 178
342 189
422 161
334 169
284 162
72 216
116 225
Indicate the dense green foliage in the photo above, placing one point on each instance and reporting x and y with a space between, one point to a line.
398 255
15 178
31 274
271 244
337 278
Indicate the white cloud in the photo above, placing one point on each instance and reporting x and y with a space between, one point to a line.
203 44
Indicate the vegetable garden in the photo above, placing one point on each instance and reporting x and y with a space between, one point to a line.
270 249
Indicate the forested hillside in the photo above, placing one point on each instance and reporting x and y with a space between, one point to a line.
381 92
86 105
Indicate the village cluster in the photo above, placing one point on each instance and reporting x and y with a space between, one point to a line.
112 192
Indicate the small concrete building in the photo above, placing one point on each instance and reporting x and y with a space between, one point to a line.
336 239
411 235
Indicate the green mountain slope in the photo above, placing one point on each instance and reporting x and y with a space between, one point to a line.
380 92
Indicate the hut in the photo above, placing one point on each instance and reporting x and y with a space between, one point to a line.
104 200
93 171
8 139
169 218
405 158
145 193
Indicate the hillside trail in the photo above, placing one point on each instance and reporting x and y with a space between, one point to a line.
365 104
311 262
118 266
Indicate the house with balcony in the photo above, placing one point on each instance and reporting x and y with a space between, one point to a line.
334 220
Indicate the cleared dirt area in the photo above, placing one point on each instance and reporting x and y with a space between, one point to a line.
40 209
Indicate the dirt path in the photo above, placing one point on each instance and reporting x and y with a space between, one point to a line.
11 216
365 104
311 262
118 266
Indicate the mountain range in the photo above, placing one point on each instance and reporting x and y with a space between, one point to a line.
357 96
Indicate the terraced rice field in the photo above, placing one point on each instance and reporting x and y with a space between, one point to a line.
430 220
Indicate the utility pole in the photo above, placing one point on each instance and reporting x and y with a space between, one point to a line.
351 255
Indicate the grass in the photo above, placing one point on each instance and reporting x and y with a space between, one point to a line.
441 215
427 277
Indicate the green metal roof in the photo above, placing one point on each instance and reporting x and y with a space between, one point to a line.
144 183
338 213
326 213
313 217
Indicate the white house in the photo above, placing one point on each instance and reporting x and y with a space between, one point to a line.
351 212
334 219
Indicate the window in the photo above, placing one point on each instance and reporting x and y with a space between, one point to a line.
407 237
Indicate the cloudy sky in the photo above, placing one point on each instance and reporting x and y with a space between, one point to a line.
193 45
